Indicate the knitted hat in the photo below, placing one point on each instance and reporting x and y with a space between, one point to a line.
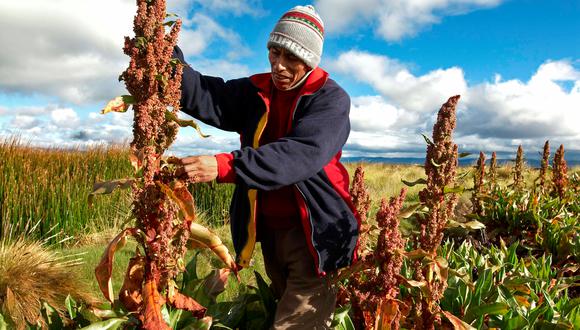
300 31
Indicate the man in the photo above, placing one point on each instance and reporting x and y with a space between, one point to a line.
291 189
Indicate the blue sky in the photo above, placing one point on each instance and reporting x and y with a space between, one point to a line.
516 64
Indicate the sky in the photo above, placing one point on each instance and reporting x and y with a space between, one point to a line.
515 63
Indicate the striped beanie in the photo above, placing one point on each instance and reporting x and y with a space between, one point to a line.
301 31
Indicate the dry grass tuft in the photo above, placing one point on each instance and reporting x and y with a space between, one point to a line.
32 273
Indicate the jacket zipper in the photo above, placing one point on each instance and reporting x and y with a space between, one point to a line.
310 240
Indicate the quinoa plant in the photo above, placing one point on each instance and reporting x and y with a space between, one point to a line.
478 185
544 166
560 173
518 183
163 207
373 282
492 172
440 167
362 202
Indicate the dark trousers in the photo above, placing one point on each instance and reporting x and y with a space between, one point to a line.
306 301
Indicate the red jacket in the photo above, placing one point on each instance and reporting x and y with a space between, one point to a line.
307 158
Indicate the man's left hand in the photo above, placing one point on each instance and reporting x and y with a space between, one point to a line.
198 168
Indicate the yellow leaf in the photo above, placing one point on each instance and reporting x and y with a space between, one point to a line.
118 104
182 197
203 237
104 269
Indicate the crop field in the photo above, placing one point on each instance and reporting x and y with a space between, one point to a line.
521 269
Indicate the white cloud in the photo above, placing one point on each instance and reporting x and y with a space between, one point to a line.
64 48
65 117
52 126
220 68
202 30
72 49
24 122
394 19
374 114
421 94
237 7
492 116
535 109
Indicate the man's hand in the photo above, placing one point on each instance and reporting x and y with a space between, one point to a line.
198 168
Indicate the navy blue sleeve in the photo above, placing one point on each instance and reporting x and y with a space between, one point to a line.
211 99
318 134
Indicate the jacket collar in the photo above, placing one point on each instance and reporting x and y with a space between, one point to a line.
315 81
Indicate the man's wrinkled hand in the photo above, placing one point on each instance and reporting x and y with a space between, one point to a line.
198 168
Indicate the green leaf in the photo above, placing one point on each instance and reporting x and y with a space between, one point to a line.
342 320
427 139
414 183
190 275
162 79
464 154
184 123
140 42
110 324
573 315
174 317
267 298
52 318
71 306
3 324
174 62
453 190
497 308
169 23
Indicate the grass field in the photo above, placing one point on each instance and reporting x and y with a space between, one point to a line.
50 186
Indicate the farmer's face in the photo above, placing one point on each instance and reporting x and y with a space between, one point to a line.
287 69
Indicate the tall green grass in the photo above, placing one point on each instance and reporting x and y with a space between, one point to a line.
51 186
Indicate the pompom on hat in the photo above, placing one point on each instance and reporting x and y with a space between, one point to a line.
301 31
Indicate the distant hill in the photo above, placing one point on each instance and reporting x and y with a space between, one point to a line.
468 161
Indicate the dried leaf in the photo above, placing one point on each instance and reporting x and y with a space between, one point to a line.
215 282
203 237
130 294
411 283
182 197
409 211
152 300
359 266
118 104
457 323
10 300
107 187
181 301
387 314
137 159
184 123
472 225
104 269
417 254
